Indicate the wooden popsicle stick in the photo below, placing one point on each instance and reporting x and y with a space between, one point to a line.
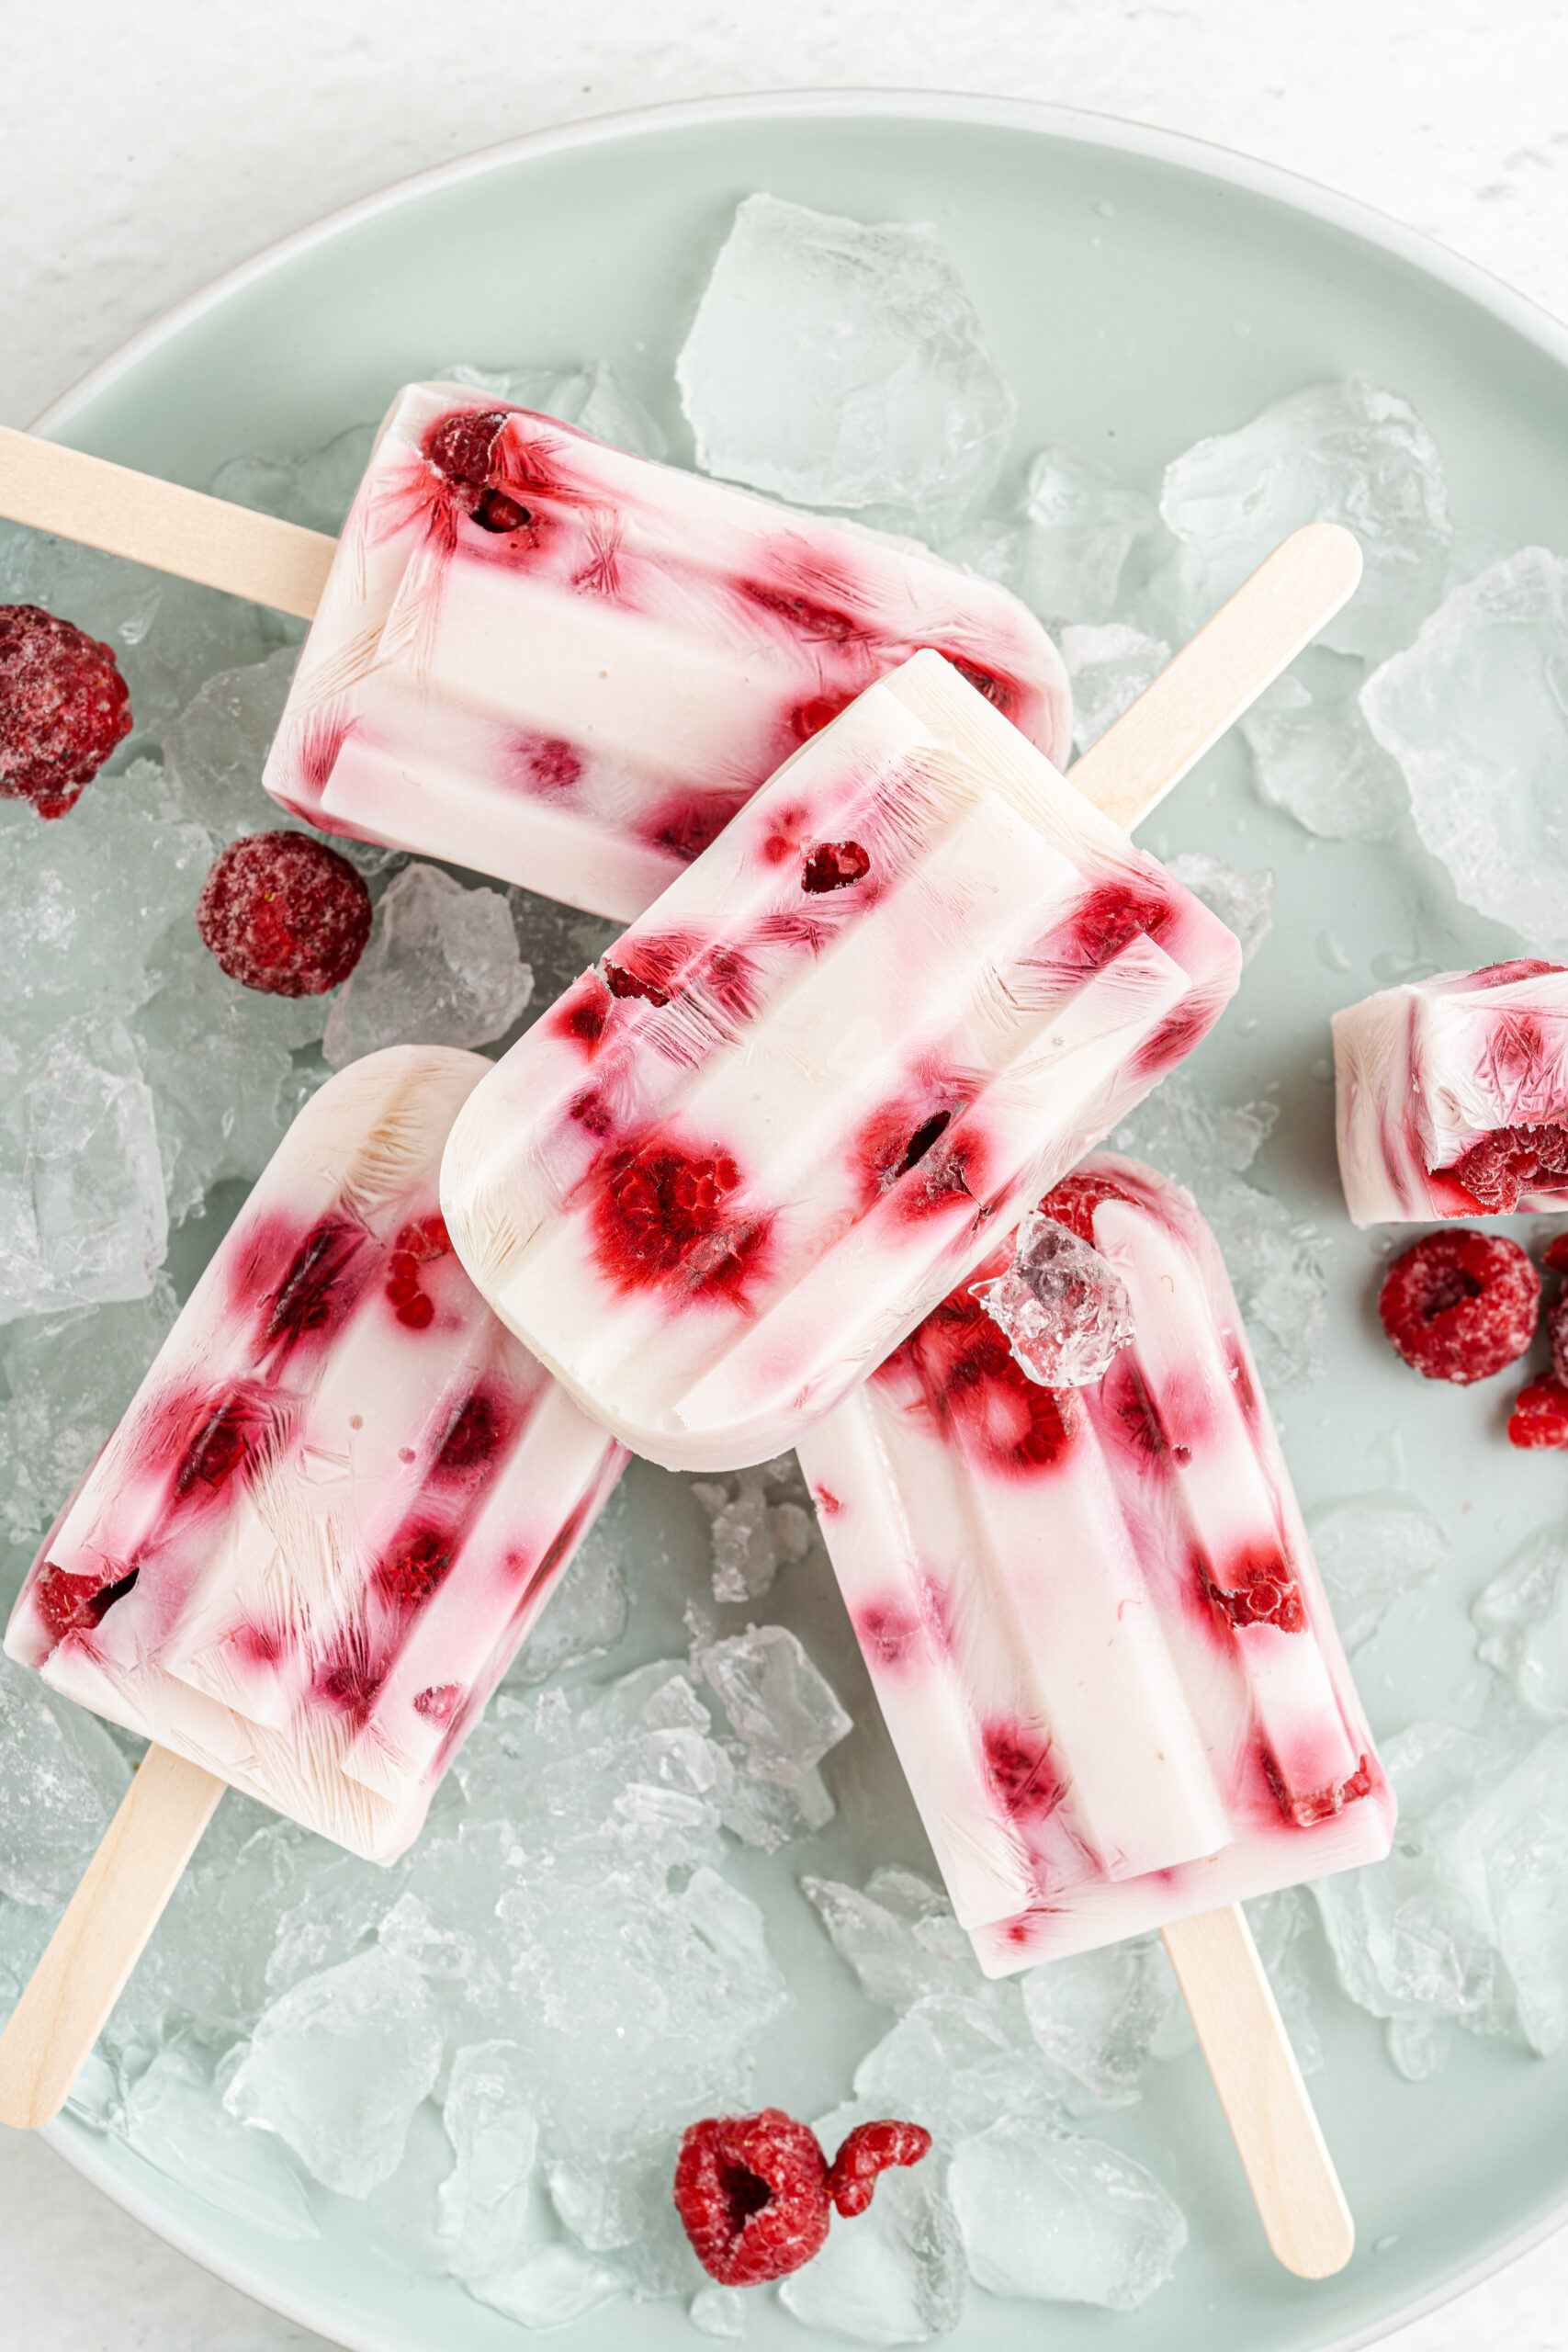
1276 2133
162 523
1220 673
83 1972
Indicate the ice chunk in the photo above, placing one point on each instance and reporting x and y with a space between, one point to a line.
1097 2017
339 2064
587 1615
718 2311
776 1701
483 2206
1341 453
441 968
81 1209
315 491
1315 755
63 1779
1192 1135
753 1536
1371 1548
1245 901
71 1377
1082 525
895 2275
1062 2219
172 2120
1110 666
1279 1922
1522 1617
1275 1261
957 2062
840 365
1476 714
591 396
898 1935
1063 1308
214 750
550 2289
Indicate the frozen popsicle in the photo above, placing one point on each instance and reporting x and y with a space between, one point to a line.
1452 1095
568 667
1091 1615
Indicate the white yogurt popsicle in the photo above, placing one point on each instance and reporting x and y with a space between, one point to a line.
569 667
1452 1095
340 1498
1092 1616
907 989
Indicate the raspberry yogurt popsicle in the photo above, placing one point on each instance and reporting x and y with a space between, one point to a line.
1452 1095
341 1497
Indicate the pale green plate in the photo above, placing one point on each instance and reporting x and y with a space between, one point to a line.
1138 291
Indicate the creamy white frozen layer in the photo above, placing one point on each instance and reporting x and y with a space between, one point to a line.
569 667
907 989
340 1498
1098 1635
1452 1095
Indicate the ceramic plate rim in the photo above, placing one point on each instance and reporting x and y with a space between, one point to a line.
1067 125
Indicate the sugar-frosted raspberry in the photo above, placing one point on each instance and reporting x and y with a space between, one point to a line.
283 913
63 708
869 2150
1539 1417
752 2191
1459 1305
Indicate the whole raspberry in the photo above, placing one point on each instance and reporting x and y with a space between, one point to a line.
63 708
869 2150
752 2191
1459 1305
1539 1417
283 913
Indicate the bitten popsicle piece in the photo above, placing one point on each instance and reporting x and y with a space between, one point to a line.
569 667
1092 1616
340 1498
1452 1095
903 993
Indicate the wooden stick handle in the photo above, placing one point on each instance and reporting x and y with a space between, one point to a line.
1278 2137
158 522
109 1920
1220 673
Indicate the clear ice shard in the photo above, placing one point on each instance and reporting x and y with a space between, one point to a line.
1347 453
72 1376
1096 2016
172 2120
1109 665
897 1933
1371 1548
1064 1312
441 968
839 365
1062 2218
776 1701
1476 714
483 2204
62 1778
214 750
894 2275
1315 756
1245 902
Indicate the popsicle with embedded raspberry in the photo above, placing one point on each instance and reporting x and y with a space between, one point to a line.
569 667
1452 1095
1091 1615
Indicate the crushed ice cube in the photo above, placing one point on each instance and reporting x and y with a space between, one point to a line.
174 2121
718 2311
895 2275
62 1778
959 2061
1371 1548
1476 714
591 396
1192 1135
587 1615
841 364
1279 1922
1080 537
315 492
1344 453
1242 901
214 750
1063 1308
1522 1617
1098 2015
1315 755
784 1710
483 2204
339 2064
898 1935
1109 665
754 1532
71 1376
1062 2219
441 968
549 2289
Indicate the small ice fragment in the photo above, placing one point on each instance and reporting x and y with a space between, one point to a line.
552 2287
1371 1548
172 2120
895 2275
591 396
776 1701
1276 1264
1110 666
71 1377
1522 1618
1096 2016
587 1615
1342 453
1278 1922
841 364
1315 755
1062 2219
214 750
1191 1135
62 1778
898 1935
718 2311
1081 527
1243 902
315 491
752 1537
339 2064
442 969
483 2206
959 2061
1065 1310
1476 714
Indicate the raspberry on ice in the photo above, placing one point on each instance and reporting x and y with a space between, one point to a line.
1460 1305
64 709
755 2192
283 913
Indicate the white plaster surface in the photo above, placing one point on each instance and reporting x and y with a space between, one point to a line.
144 148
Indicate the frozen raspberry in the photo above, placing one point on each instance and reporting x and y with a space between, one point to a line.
752 2191
460 448
1557 1330
283 913
63 708
1258 1588
418 1244
663 1215
74 1604
1539 1417
1510 1162
833 866
1459 1305
1555 1256
870 2149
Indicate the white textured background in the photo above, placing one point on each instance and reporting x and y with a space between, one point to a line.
144 148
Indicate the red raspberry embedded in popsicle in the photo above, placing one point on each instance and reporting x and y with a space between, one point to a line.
1074 1201
283 913
461 447
1109 917
1257 1589
318 1286
1539 1417
663 1215
64 709
70 1602
1459 1305
1018 1767
1509 1162
752 2191
833 866
973 1380
418 1244
416 1565
870 2149
686 823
